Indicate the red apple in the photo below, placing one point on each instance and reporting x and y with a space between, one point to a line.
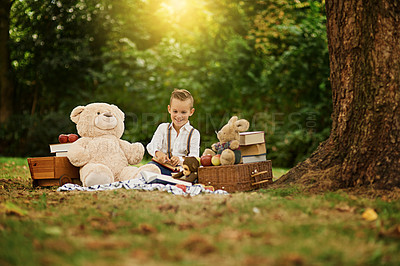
205 160
72 137
215 160
62 138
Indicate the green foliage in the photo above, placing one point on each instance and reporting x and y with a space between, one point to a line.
53 47
30 136
293 38
266 61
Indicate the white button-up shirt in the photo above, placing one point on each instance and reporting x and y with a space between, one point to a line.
159 142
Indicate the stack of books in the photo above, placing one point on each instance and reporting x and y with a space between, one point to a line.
252 147
60 149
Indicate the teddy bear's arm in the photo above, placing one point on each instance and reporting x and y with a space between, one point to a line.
133 151
77 153
177 175
214 147
234 145
191 178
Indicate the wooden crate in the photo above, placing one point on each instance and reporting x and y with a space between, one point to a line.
53 171
238 177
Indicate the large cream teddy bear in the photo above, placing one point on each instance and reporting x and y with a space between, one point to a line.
100 153
228 145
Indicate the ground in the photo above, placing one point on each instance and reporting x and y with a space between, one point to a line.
282 225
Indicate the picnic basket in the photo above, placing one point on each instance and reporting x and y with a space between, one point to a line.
238 177
52 171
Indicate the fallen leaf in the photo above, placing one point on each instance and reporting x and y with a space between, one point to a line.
233 234
369 215
141 254
393 232
168 208
187 225
345 208
145 229
107 244
198 245
291 259
257 260
58 245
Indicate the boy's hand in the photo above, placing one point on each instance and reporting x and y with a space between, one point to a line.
174 160
162 157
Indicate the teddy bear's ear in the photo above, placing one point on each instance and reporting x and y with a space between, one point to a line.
242 125
233 120
119 112
76 113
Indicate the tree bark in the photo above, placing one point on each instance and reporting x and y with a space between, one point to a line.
6 84
364 145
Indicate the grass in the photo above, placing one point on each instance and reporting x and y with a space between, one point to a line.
267 227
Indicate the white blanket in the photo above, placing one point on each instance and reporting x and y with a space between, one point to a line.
139 183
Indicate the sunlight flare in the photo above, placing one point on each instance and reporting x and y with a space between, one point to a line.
175 6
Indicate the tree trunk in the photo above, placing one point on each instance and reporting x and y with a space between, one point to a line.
364 145
6 84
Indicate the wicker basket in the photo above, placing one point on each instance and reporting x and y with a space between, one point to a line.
238 177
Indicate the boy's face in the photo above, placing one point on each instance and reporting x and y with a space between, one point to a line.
180 112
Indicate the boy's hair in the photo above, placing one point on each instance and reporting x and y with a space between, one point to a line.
181 95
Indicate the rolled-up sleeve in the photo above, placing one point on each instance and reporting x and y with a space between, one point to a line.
157 140
195 144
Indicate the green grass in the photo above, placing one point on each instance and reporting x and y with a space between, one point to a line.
267 227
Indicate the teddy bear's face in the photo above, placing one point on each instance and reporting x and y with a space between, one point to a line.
98 119
190 164
186 170
231 130
227 133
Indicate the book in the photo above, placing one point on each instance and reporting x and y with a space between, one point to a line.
167 165
254 149
254 158
252 137
61 154
154 178
59 147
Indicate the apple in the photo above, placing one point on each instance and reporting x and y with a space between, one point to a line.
72 137
215 160
62 138
205 160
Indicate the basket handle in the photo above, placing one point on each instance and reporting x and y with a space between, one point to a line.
255 173
261 182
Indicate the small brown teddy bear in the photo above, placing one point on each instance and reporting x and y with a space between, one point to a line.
189 173
228 145
100 153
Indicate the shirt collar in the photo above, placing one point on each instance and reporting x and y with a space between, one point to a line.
186 126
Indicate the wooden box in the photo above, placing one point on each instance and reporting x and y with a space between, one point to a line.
53 171
238 177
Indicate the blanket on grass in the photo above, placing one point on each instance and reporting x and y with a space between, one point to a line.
139 184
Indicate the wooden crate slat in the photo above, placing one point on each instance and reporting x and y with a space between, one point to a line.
53 171
42 167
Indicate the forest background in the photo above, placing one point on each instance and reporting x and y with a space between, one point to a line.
263 60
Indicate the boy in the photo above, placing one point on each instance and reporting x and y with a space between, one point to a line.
173 140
